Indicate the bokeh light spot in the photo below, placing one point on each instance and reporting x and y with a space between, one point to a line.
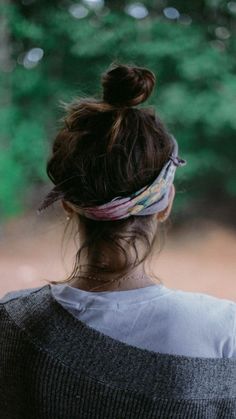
94 4
171 13
232 6
137 10
32 57
78 11
222 32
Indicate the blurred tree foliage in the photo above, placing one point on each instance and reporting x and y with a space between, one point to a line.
53 51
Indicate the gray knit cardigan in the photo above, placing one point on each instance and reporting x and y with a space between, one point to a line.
53 366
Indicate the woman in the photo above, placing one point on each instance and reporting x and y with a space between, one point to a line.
110 341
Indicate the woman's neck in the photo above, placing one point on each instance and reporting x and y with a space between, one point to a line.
134 280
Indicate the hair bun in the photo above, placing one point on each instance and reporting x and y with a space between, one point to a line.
125 85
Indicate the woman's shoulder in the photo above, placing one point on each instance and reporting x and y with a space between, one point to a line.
202 303
10 295
202 299
202 319
206 310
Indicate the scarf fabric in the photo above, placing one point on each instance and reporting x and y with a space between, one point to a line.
150 199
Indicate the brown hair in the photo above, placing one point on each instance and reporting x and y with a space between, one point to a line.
106 148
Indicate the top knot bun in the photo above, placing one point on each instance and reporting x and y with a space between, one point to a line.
125 86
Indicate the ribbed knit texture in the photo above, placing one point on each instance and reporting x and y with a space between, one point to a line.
54 366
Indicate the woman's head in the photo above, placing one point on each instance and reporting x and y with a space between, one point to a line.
107 148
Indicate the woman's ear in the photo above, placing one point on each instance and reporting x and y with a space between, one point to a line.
66 207
164 214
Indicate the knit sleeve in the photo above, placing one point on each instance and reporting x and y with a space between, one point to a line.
10 368
6 326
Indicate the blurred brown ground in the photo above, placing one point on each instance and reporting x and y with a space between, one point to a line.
199 257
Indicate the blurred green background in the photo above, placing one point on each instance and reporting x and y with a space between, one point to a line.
52 51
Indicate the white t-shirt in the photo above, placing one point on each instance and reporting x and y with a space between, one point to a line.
157 318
